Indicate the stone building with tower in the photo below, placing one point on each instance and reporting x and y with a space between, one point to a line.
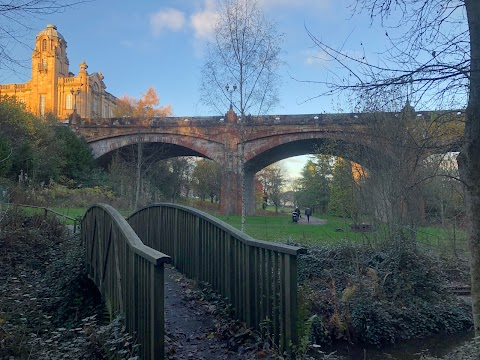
53 89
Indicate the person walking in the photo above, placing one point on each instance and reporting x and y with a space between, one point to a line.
308 212
297 210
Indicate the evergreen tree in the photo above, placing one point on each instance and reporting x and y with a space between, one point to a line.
342 190
77 161
206 179
314 184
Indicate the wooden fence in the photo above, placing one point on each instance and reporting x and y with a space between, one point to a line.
129 274
258 278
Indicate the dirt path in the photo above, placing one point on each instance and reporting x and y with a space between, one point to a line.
313 221
197 329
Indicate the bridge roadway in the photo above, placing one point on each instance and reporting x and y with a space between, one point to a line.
267 139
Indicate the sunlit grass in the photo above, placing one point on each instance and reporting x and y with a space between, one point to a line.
281 229
336 230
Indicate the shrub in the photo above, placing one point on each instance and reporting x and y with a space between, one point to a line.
49 309
58 195
377 297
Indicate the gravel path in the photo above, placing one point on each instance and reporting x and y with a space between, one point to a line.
313 221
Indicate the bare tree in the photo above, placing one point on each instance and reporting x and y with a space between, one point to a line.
15 22
134 169
443 193
438 57
245 51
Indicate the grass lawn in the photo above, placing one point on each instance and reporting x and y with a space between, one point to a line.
280 228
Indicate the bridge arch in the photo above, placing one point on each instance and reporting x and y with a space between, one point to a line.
178 145
263 152
354 151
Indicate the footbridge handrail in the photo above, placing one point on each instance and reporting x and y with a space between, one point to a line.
129 274
258 278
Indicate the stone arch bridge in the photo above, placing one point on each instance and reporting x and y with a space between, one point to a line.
267 139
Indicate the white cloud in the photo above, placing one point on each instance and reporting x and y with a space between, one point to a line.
315 57
168 19
204 20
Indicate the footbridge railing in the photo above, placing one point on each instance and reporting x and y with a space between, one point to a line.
258 278
129 274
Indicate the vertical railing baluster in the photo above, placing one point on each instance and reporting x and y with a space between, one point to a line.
157 330
283 340
276 305
269 290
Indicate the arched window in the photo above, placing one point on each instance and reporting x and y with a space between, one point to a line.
44 44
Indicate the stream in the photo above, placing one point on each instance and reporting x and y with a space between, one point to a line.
436 346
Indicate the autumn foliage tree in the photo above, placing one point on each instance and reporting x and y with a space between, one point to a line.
142 110
148 106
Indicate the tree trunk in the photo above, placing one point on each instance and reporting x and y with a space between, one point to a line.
469 158
139 172
242 168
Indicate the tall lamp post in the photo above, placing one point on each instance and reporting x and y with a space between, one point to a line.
230 91
75 93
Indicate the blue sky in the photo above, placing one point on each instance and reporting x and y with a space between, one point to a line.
138 44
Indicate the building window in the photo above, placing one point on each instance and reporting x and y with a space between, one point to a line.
44 64
95 106
105 112
42 105
44 45
69 102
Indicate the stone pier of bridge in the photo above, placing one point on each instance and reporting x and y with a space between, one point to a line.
231 192
231 182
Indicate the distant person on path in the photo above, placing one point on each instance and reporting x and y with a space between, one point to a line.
297 210
308 212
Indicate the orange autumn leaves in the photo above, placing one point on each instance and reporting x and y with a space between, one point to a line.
146 107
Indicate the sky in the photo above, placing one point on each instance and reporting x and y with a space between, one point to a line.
139 44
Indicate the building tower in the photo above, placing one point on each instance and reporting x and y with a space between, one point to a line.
49 62
54 90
